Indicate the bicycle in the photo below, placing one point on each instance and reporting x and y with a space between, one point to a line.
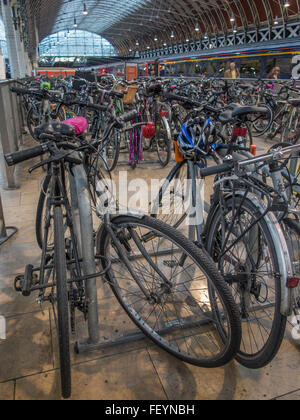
173 303
233 209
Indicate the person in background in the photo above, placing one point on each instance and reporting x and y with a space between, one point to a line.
275 73
232 72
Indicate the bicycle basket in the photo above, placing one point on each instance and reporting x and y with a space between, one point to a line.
130 94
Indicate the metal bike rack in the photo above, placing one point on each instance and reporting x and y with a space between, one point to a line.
11 127
4 234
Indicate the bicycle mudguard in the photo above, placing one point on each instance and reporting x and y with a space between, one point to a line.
167 127
280 244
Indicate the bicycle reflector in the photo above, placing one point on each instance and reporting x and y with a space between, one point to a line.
253 149
240 132
149 130
292 282
164 113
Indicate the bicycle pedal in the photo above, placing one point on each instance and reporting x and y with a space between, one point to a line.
18 283
29 278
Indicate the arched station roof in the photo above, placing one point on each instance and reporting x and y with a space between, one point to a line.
150 23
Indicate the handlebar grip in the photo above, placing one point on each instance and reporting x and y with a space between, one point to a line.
129 116
21 91
215 170
18 157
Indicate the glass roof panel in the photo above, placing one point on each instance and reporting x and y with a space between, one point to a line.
102 14
76 43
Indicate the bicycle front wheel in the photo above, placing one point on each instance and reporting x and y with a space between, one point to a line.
163 281
60 267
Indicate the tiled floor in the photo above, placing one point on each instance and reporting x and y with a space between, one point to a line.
29 359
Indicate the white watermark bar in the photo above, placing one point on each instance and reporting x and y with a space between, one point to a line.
178 197
296 67
2 328
296 330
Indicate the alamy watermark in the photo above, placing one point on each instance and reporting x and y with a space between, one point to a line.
2 328
155 197
296 330
296 67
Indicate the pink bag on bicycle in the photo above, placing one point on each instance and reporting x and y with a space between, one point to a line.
79 123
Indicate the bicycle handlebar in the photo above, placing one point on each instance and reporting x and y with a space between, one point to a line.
23 155
215 170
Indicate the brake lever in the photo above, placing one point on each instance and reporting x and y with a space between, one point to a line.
51 159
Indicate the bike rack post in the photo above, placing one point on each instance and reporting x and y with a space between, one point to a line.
8 130
4 235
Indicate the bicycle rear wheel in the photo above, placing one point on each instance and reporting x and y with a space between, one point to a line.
162 281
250 267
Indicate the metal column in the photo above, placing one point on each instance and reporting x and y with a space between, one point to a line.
9 129
4 235
10 33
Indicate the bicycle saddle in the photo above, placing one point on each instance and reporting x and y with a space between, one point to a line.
55 127
294 102
241 111
226 116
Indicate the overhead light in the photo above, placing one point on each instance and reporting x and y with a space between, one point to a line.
165 44
197 28
187 40
276 20
148 48
205 35
234 30
172 34
137 43
155 39
232 19
287 4
85 12
75 23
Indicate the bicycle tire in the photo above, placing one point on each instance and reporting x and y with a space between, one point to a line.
163 144
264 355
158 333
257 132
114 144
60 267
39 223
